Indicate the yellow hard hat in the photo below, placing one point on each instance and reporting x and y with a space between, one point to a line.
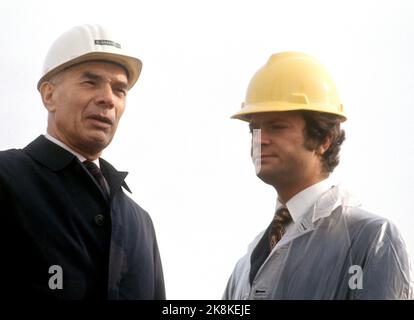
291 81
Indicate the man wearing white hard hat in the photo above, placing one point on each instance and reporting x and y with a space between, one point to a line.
70 231
320 244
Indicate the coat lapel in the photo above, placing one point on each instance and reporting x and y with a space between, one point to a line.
115 178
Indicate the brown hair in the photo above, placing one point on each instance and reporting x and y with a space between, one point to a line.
319 126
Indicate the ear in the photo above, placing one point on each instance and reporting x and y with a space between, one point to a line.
325 145
47 90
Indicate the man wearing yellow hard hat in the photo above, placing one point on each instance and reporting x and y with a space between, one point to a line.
69 229
320 243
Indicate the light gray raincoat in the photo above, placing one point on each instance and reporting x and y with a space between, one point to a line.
339 251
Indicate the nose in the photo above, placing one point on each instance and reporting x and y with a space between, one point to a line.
105 96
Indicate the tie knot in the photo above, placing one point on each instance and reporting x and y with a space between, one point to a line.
282 216
92 167
98 176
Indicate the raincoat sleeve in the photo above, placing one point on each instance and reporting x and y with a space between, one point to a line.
238 284
386 272
228 290
231 284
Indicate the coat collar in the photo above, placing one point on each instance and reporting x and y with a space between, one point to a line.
116 178
56 158
337 196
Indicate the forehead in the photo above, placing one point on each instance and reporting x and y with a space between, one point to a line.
270 117
105 70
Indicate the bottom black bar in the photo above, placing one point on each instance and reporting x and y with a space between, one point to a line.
210 309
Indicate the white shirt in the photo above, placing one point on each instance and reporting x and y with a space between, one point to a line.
64 146
298 205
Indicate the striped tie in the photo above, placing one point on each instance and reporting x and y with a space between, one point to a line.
278 227
98 176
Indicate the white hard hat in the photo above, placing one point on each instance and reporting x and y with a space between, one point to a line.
88 43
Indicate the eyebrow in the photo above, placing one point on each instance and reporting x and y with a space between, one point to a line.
270 121
90 75
98 78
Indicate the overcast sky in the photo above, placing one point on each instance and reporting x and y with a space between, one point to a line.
189 162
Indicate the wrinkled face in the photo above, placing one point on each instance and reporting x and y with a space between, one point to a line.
85 104
278 150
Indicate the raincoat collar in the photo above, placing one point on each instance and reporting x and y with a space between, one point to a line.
336 196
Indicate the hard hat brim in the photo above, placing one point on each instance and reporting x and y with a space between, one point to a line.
132 65
247 110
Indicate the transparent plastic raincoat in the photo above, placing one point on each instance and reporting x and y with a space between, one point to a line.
340 252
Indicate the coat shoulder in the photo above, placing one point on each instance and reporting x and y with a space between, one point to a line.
140 212
11 154
368 222
12 160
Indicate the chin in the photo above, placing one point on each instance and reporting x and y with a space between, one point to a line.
95 144
264 177
267 177
100 137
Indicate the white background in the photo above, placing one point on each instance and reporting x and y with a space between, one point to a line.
189 162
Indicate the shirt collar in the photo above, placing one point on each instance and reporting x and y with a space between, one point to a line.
300 203
64 146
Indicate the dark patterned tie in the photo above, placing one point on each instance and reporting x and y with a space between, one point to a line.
278 227
97 174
